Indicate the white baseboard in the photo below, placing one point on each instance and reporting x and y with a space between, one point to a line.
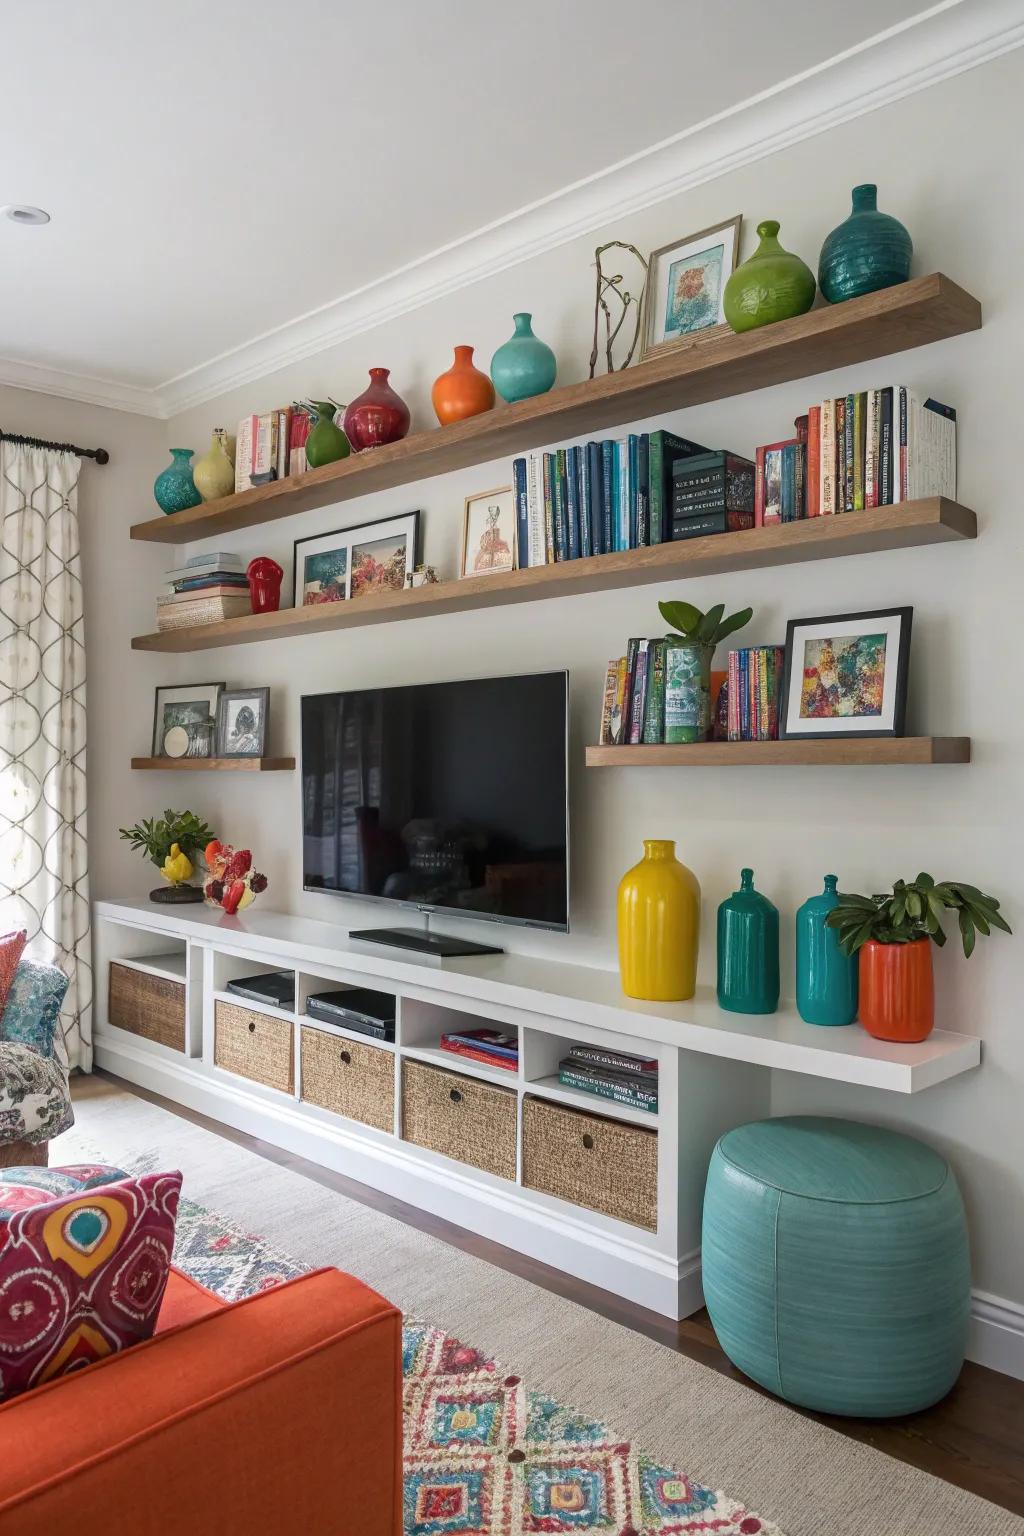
996 1336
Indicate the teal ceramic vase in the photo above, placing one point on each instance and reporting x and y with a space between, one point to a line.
826 979
525 365
748 950
771 285
869 250
326 443
174 488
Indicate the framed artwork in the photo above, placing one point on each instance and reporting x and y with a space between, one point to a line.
371 557
489 533
242 718
183 720
846 675
686 283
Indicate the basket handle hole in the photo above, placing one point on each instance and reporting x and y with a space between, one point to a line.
588 1141
252 1027
455 1096
346 1057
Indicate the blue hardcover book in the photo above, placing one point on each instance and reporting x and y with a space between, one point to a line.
561 511
643 490
634 486
616 495
789 483
522 512
623 503
745 695
572 502
583 476
595 498
607 496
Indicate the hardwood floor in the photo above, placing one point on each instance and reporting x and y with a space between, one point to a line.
973 1438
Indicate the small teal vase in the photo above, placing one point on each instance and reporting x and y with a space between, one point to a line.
748 950
525 365
174 488
869 250
826 979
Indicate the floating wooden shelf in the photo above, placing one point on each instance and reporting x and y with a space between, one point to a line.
933 521
714 366
216 764
880 751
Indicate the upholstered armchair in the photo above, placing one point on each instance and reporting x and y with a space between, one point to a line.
35 1104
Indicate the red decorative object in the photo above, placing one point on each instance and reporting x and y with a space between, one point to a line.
897 992
378 415
265 577
232 883
462 391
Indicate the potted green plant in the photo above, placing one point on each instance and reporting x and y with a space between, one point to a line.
893 935
171 844
688 657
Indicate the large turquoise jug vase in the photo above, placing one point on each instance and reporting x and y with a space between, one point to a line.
174 487
748 950
826 979
867 251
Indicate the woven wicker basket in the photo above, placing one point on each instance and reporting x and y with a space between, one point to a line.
254 1045
349 1079
150 1006
588 1160
461 1117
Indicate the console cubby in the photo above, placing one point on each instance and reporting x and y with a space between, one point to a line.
541 1052
227 967
423 1024
310 983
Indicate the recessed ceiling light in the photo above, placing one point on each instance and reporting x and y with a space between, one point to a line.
24 213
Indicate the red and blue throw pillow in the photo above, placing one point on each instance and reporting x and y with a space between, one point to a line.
82 1274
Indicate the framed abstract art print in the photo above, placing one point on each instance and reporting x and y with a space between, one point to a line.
846 675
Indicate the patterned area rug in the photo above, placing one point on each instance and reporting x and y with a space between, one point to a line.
484 1454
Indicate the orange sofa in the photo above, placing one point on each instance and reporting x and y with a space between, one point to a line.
278 1414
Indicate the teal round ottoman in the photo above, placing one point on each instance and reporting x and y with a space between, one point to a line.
835 1262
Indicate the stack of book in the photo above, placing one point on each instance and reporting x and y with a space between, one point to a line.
780 492
633 708
206 589
614 1075
754 687
490 1046
271 446
712 493
596 498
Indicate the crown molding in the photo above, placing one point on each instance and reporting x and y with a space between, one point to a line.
935 45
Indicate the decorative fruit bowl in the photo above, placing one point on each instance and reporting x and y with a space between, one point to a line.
232 883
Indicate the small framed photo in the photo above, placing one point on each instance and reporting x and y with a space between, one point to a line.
371 557
686 284
242 719
489 533
184 718
846 675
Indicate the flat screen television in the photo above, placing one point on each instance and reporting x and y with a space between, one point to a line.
444 797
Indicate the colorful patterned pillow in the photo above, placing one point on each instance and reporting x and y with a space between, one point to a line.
23 1187
32 1014
83 1276
11 946
35 1104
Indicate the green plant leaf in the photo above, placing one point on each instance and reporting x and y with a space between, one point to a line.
710 622
966 932
925 882
735 621
682 616
914 908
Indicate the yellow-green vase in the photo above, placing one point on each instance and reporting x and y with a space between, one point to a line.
659 926
772 285
214 473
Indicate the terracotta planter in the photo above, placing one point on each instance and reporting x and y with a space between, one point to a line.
897 993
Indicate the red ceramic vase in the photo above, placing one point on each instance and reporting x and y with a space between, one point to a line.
462 391
265 577
897 991
378 416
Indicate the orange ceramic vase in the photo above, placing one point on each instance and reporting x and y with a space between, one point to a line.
897 993
462 391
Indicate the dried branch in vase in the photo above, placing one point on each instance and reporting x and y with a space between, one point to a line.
613 301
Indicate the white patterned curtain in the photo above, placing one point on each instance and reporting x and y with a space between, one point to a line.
43 860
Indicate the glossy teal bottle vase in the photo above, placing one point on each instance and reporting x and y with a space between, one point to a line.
869 250
748 950
835 1264
826 979
525 365
174 488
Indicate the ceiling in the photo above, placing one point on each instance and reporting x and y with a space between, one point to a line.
217 168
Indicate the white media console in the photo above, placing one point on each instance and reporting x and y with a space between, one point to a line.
242 1063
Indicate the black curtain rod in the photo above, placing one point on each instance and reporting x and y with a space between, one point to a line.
99 454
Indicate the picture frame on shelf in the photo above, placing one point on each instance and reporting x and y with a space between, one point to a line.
686 286
344 565
243 715
489 533
845 675
184 718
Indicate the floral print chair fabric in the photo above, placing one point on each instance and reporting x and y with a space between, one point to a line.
35 1104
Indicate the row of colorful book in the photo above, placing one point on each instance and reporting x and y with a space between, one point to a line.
753 688
206 589
271 445
614 1075
874 448
491 1046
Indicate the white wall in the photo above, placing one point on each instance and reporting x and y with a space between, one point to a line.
937 160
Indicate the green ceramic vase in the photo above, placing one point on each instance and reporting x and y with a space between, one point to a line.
326 443
748 950
869 250
772 285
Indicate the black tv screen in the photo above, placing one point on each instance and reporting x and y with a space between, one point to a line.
447 797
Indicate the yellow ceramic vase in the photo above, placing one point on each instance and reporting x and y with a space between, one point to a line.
659 926
214 473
